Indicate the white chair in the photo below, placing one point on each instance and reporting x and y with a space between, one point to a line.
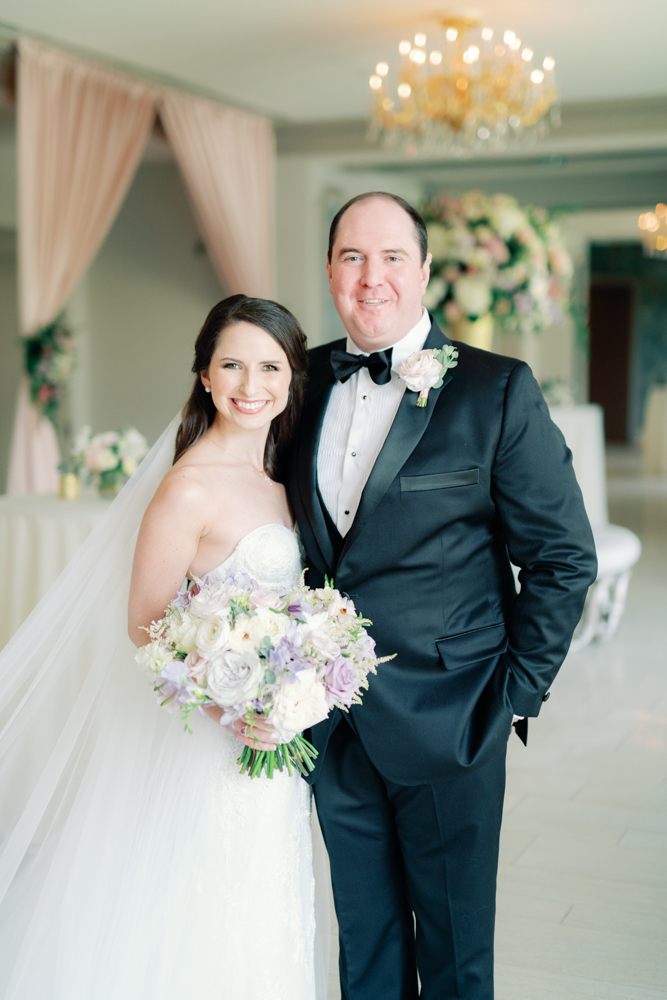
618 549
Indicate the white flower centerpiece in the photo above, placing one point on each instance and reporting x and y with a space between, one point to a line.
110 458
495 262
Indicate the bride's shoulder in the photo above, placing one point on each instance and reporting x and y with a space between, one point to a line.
187 484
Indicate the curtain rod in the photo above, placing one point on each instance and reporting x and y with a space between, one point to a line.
11 33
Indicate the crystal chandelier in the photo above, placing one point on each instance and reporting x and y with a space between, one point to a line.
471 88
654 231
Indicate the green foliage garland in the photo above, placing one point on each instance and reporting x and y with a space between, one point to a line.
49 360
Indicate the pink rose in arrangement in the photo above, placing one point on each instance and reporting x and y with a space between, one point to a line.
424 370
420 371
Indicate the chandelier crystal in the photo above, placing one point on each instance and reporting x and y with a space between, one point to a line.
469 86
654 231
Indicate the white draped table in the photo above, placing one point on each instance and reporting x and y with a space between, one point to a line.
654 436
39 534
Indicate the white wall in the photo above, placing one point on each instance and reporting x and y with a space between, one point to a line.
140 308
309 192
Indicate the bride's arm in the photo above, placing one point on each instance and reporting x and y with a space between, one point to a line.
166 546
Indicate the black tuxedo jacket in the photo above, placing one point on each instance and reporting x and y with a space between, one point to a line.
477 478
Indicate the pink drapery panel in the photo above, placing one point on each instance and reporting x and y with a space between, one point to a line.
227 159
81 134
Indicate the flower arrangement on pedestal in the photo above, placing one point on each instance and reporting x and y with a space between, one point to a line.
49 360
494 263
108 459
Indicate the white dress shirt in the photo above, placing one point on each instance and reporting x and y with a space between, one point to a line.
356 424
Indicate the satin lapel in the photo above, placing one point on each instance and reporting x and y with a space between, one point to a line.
312 420
404 435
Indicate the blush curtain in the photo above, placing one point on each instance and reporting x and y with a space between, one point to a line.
82 131
227 159
81 135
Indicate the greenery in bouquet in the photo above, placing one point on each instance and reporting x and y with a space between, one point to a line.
491 254
107 459
49 360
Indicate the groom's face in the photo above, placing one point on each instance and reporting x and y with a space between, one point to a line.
376 275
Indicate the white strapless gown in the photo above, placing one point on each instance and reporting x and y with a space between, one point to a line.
195 881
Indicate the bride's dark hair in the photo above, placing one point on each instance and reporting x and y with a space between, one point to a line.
199 411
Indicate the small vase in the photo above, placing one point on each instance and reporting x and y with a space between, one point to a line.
474 332
70 486
109 484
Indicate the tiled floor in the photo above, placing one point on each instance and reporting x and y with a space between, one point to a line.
582 898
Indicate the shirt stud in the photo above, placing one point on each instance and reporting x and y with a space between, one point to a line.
354 454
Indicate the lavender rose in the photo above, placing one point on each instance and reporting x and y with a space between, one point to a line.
342 680
234 677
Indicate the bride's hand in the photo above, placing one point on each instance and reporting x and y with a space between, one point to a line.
258 734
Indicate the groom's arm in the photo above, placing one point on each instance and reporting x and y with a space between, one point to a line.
548 537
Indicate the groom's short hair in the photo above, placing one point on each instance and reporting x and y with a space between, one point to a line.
418 222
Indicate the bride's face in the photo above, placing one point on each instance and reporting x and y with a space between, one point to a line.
249 376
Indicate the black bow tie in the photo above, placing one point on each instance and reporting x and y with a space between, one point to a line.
379 365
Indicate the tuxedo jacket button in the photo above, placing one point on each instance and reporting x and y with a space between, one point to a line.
547 696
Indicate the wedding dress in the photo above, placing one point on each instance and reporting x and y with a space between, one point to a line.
137 862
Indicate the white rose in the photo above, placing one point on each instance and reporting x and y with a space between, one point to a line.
473 295
273 625
234 677
109 439
129 466
183 630
313 622
211 600
439 240
132 444
420 370
324 645
299 704
538 287
436 291
153 656
212 635
507 219
99 458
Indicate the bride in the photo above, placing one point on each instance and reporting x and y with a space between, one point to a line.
137 862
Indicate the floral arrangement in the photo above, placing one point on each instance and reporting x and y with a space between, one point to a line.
108 458
425 370
492 255
290 657
49 360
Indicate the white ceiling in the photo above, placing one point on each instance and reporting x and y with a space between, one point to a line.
303 60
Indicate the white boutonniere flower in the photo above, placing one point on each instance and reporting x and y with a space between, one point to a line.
425 370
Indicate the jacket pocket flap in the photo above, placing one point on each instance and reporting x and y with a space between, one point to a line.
440 481
470 647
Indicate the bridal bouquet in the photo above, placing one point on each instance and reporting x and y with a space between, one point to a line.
290 657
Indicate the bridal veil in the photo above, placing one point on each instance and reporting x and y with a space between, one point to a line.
91 771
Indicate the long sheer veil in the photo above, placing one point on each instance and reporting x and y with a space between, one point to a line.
82 742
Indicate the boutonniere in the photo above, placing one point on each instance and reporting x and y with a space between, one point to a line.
425 370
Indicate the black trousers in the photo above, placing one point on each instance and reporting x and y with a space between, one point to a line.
397 850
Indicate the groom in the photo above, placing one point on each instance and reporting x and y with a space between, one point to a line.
416 513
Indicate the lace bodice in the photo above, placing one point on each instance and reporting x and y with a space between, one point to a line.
269 554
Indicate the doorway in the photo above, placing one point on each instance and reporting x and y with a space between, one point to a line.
610 322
